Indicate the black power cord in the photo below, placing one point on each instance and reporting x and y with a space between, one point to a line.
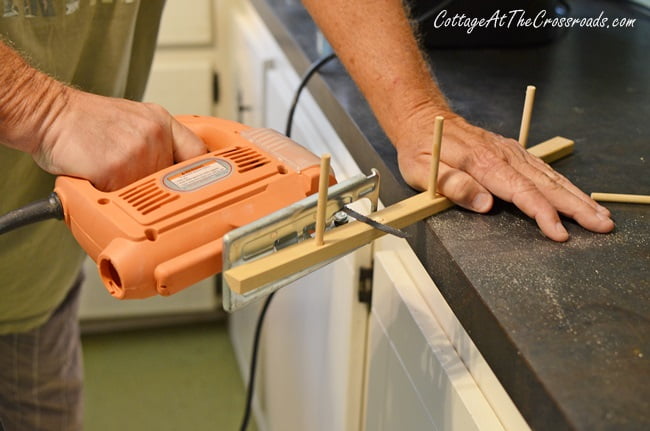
40 210
313 68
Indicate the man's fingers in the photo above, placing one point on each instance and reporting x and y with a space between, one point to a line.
535 205
498 175
566 197
185 143
455 184
541 194
568 185
463 190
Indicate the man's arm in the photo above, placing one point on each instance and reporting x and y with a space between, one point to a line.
111 142
375 42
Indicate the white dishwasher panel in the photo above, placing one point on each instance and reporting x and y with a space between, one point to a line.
415 376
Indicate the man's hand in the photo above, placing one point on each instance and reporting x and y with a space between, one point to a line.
476 164
112 142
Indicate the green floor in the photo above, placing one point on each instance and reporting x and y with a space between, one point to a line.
182 378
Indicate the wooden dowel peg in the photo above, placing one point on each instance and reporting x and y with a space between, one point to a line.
323 184
435 156
527 114
622 198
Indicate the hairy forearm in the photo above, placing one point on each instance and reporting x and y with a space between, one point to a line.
109 141
29 101
376 44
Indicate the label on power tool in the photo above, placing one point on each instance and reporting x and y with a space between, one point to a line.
197 175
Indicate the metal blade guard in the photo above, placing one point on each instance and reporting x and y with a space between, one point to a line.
284 228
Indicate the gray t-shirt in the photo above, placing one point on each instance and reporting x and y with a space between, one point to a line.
100 46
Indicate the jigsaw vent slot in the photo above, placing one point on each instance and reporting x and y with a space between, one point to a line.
147 197
245 159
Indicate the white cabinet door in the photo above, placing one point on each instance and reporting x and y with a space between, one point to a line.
314 351
251 55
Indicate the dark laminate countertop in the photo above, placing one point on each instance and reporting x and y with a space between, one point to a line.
565 327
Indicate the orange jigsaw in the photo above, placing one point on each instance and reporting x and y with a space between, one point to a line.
164 232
